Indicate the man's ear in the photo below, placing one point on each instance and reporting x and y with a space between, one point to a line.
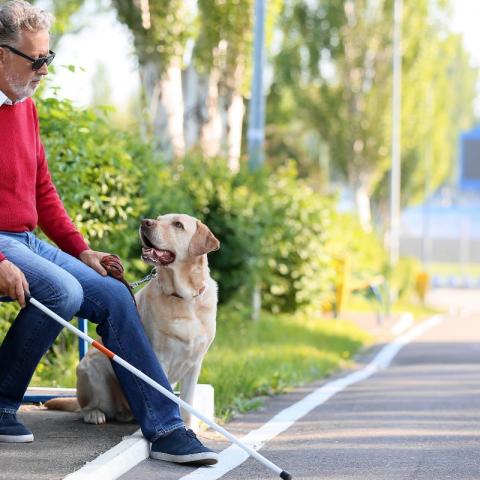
203 241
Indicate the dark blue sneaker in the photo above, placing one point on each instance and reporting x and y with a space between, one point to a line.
182 446
12 431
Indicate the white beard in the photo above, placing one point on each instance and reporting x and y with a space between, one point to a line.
20 90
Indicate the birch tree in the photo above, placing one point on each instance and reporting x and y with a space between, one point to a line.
223 57
201 103
160 30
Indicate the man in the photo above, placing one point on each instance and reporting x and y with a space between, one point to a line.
69 280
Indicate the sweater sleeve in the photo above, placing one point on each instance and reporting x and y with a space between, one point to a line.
52 216
2 256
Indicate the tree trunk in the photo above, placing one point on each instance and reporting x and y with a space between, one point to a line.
362 202
235 113
165 103
195 91
211 130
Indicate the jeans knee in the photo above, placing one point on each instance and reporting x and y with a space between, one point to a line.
68 299
118 304
117 295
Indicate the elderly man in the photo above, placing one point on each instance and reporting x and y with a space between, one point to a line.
70 279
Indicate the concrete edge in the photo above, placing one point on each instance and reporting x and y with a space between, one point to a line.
135 448
116 461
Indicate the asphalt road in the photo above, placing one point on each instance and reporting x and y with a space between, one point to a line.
418 419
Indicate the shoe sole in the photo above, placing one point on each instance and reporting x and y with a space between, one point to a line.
205 458
16 438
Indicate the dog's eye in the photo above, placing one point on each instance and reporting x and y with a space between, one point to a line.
178 225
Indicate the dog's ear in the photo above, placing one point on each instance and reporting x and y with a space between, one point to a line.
203 241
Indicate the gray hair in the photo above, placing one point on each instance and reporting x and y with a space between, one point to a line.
17 16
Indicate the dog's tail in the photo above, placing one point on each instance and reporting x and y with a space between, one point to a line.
64 404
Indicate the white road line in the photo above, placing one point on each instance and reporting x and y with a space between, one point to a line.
133 449
233 456
116 461
405 322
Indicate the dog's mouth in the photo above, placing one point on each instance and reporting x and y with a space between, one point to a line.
150 254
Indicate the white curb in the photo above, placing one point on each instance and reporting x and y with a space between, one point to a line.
117 461
135 448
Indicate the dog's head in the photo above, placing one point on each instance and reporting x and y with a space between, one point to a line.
175 236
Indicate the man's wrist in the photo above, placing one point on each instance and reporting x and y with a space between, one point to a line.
87 250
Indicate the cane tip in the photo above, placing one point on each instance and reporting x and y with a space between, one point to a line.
285 475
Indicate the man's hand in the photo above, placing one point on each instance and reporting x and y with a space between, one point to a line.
92 259
13 282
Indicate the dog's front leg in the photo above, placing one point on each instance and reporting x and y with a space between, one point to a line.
187 394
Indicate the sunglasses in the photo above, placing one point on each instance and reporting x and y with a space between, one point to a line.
37 63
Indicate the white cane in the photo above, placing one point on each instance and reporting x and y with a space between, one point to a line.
283 474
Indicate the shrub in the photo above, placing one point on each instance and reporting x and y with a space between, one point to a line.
98 172
207 190
272 228
404 277
296 267
363 250
275 231
359 258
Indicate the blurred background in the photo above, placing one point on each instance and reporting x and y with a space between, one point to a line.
333 146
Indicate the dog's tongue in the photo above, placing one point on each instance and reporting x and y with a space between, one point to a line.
159 256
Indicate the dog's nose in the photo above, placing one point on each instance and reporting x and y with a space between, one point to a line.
147 222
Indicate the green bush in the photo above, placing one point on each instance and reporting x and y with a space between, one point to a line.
98 171
272 228
276 232
363 250
404 277
207 190
8 311
296 267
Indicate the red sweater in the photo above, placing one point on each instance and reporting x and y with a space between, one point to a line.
27 194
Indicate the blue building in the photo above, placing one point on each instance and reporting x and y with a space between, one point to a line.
446 229
469 161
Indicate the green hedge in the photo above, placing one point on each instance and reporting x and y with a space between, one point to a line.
272 227
98 171
275 231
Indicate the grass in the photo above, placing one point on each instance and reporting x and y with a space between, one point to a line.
248 360
455 269
251 360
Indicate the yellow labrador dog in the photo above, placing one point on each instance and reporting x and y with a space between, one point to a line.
178 309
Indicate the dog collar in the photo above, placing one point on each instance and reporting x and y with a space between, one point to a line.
200 292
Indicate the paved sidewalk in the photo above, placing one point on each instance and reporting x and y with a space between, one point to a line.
416 420
63 443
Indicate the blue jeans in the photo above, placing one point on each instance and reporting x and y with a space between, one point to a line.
69 287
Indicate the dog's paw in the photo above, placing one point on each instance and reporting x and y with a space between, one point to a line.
97 417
